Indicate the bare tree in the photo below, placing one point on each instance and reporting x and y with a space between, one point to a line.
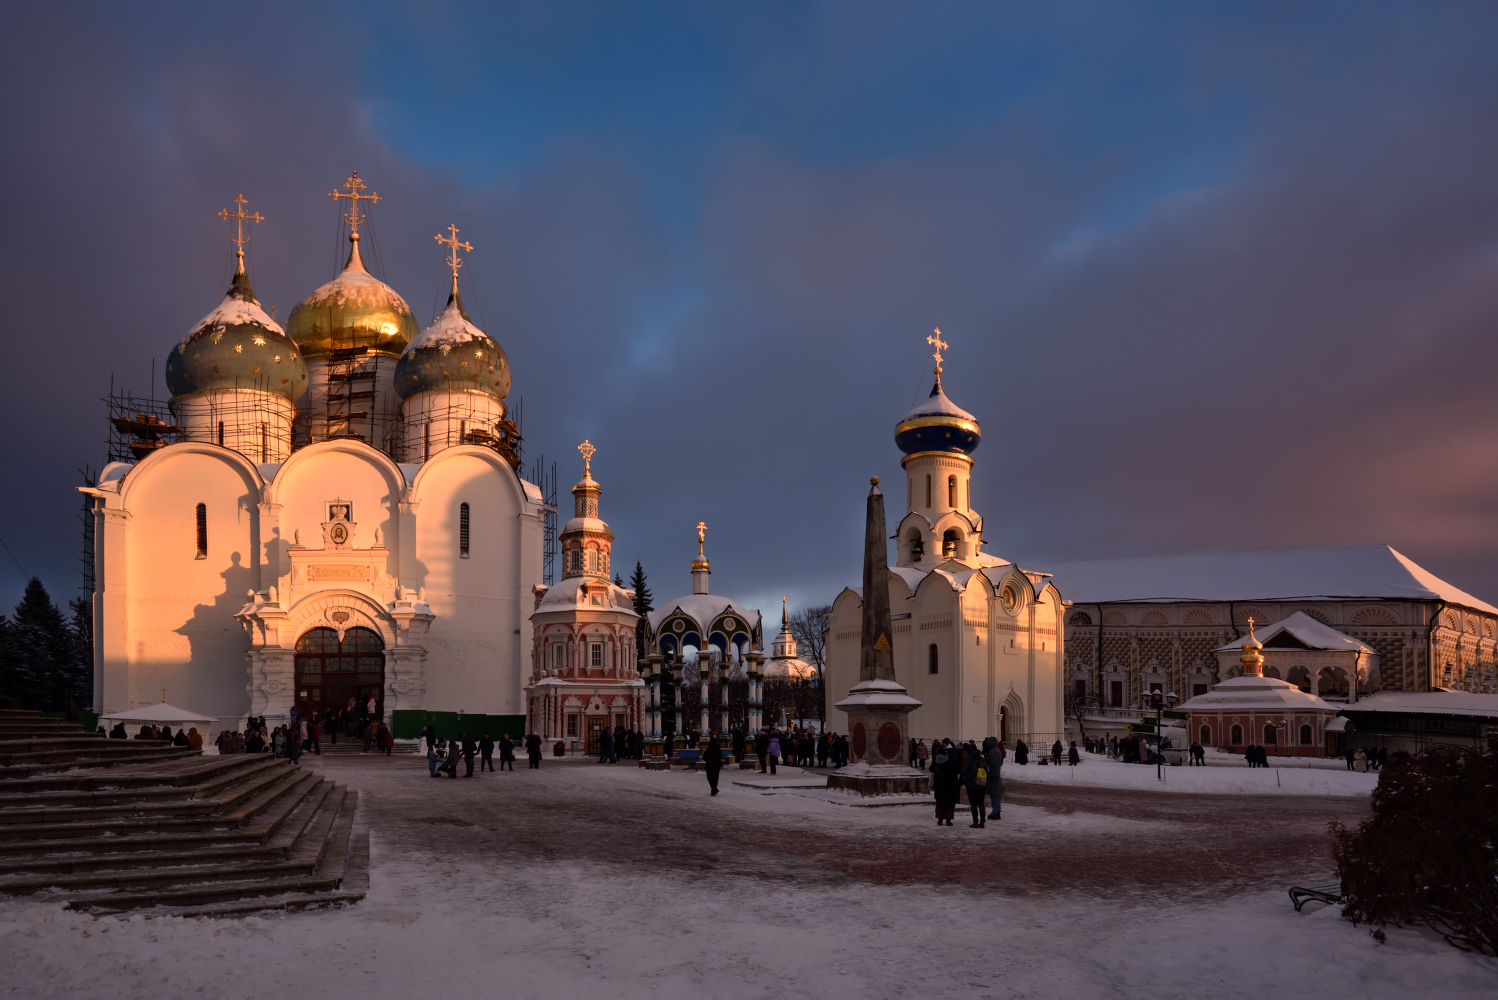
809 629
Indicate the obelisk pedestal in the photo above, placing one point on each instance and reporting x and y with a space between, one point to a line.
878 707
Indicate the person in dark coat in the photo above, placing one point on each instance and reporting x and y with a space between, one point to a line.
1056 749
712 760
606 748
1072 757
470 749
1021 752
533 751
739 744
506 752
993 762
486 753
975 780
946 784
118 732
761 750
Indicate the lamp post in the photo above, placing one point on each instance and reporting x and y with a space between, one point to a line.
1158 702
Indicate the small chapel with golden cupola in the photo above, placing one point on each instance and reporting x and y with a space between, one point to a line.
584 675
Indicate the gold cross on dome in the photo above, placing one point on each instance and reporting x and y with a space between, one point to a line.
354 185
588 451
940 346
701 535
240 217
454 245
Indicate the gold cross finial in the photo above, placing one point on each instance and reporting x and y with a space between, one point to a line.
240 217
353 216
940 346
587 450
701 535
453 245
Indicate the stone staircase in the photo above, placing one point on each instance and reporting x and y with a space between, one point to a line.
118 825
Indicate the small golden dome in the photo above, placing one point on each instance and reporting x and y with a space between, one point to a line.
354 310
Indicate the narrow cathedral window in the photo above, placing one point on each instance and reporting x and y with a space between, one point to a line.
264 443
597 655
1305 736
928 491
220 432
559 656
951 491
931 664
202 531
463 530
1237 739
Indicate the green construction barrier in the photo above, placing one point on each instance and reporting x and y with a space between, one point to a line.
408 724
88 720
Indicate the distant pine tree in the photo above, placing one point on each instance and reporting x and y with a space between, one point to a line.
618 581
82 629
41 666
643 607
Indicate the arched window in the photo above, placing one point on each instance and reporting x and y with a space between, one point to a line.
928 491
202 531
949 543
1237 737
426 440
1205 736
264 442
1305 736
220 432
931 663
463 530
1271 734
951 491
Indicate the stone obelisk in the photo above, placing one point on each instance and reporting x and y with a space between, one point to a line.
878 707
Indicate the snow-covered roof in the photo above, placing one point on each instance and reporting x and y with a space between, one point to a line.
234 311
1254 693
1309 631
1367 571
938 403
163 712
587 524
567 595
1428 703
449 330
702 609
789 668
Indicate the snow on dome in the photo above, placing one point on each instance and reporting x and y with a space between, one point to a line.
569 593
1309 631
1252 692
453 354
355 309
233 311
938 424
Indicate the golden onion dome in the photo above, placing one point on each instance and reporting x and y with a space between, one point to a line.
354 310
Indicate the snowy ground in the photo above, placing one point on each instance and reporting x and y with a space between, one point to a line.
613 880
1289 777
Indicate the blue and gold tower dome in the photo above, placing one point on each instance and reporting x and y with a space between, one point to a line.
938 424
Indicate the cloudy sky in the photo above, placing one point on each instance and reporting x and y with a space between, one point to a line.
1214 276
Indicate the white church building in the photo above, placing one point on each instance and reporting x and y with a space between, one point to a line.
252 561
978 640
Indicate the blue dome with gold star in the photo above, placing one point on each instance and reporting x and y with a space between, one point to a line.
454 354
237 346
938 424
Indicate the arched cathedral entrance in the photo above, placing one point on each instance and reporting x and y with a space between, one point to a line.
330 673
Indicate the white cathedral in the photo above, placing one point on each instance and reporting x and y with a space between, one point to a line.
334 513
978 640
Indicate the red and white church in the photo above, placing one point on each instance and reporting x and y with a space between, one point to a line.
584 674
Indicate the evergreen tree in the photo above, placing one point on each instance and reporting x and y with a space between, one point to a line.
618 580
82 629
41 667
643 608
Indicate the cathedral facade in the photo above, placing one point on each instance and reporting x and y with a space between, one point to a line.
977 640
255 562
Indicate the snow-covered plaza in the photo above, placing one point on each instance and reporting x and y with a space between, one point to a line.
608 879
